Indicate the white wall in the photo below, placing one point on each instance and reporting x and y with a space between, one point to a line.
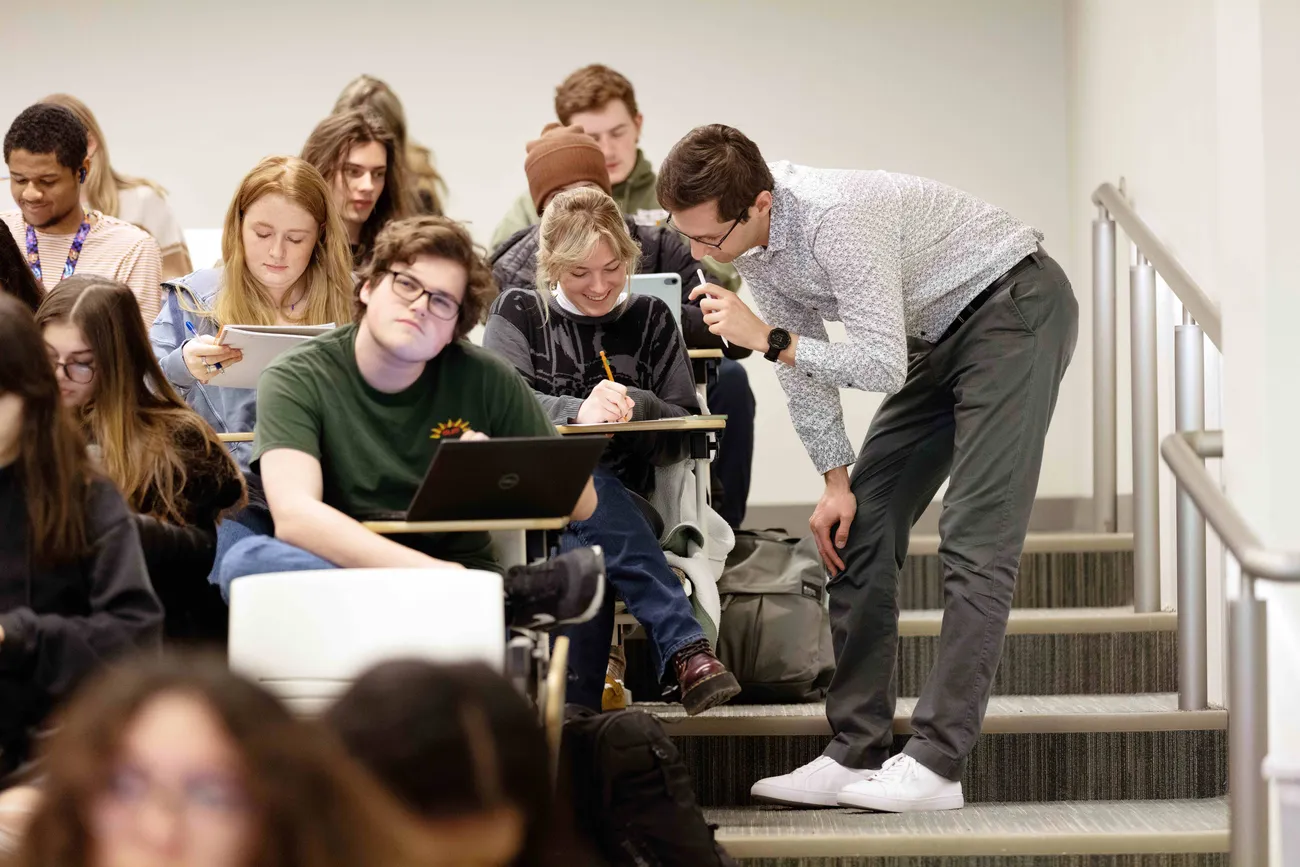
973 94
1193 102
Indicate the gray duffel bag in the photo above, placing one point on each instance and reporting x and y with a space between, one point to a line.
775 633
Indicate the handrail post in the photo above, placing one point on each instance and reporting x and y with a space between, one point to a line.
1146 438
1248 729
1104 431
1189 409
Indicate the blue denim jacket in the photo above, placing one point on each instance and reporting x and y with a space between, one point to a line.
228 410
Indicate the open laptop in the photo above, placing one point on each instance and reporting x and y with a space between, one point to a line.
666 287
516 477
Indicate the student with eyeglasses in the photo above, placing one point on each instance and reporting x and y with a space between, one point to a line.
953 310
285 262
348 422
176 477
73 588
178 761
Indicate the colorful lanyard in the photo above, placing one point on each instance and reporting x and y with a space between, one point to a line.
74 252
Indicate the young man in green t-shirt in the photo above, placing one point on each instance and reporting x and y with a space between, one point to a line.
348 422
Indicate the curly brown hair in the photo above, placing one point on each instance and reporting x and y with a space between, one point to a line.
401 241
591 88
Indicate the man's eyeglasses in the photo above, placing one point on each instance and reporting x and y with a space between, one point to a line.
715 245
409 289
79 372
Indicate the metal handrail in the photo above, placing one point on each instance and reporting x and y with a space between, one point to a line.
1182 453
1193 297
1200 500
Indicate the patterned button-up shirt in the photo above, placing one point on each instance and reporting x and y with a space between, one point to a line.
891 256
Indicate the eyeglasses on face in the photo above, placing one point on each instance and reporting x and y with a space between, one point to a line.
80 372
441 305
715 245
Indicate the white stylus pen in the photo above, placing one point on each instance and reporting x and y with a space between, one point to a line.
699 272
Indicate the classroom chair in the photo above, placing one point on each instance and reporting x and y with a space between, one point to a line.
306 636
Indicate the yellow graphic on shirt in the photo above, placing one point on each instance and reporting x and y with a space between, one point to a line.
449 429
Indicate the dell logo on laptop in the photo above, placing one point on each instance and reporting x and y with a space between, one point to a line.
508 481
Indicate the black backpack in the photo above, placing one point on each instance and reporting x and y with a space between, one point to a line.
632 794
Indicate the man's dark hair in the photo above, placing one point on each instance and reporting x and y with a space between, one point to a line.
44 128
713 163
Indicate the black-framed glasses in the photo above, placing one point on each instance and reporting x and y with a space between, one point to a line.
80 372
717 246
409 289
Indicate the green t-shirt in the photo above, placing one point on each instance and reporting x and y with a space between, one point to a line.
373 447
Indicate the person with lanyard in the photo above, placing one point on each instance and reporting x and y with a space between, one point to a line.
952 309
46 152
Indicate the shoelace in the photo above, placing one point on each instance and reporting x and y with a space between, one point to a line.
894 770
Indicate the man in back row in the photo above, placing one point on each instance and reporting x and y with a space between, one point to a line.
347 425
46 152
603 103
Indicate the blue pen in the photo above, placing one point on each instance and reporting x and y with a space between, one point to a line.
189 326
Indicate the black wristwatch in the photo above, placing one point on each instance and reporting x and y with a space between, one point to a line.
778 340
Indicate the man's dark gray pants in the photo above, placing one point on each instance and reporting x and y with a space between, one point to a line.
974 407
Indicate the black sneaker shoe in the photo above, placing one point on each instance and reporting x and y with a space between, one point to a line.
562 590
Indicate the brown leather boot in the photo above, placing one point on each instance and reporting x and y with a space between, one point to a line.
703 679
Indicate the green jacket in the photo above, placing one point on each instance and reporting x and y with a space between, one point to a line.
636 199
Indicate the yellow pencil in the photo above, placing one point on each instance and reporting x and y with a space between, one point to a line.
605 361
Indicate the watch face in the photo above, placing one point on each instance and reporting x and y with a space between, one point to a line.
779 338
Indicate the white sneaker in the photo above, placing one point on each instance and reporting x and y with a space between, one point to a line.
903 785
816 784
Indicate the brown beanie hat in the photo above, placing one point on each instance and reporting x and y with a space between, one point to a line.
563 155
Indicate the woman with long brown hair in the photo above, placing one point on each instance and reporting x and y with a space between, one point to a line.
178 761
73 587
174 472
427 186
285 262
135 200
358 156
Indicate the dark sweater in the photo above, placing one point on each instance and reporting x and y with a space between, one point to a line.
61 622
559 355
179 558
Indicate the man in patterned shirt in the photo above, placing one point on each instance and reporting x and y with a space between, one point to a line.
954 311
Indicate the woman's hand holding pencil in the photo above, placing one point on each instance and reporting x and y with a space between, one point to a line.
608 401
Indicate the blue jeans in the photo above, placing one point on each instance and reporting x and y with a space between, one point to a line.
258 555
730 395
252 520
638 571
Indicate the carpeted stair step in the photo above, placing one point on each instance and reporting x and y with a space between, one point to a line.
1059 651
1156 833
1048 651
1035 748
1057 570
